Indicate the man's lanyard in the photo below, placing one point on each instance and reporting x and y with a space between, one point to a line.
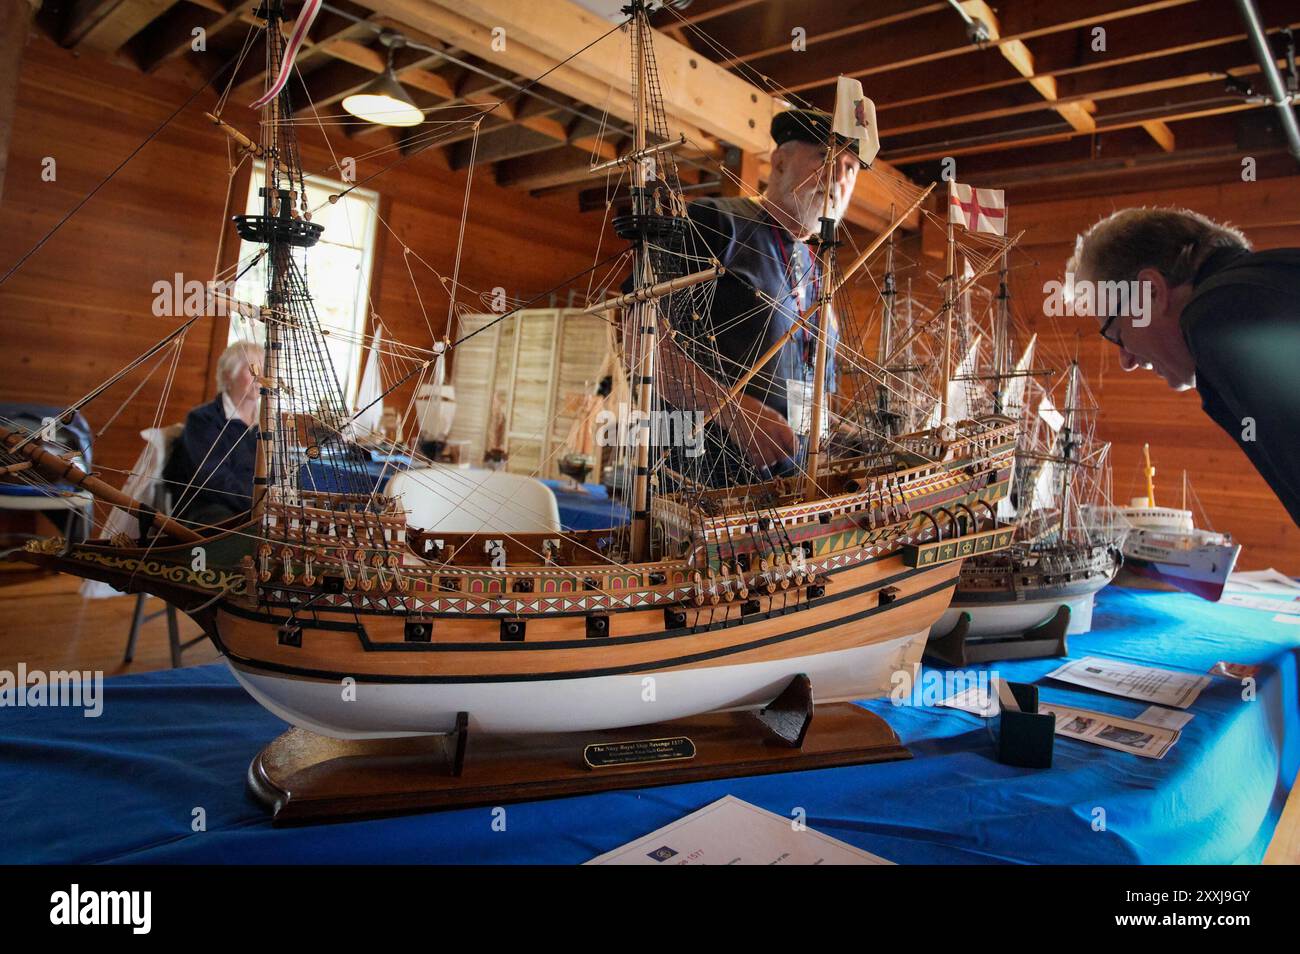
794 277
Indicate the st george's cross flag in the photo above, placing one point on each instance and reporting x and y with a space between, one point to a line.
855 118
977 210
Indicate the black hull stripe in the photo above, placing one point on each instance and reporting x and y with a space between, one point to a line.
590 673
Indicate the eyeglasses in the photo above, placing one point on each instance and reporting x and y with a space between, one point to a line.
1105 326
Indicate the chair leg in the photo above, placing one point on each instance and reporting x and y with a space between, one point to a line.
137 619
174 636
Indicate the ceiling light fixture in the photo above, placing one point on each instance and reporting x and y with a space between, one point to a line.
384 100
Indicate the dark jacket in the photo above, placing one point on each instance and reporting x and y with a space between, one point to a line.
211 464
1242 326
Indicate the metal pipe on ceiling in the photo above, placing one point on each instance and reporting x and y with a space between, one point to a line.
1278 94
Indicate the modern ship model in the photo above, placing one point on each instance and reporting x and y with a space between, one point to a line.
709 599
1164 544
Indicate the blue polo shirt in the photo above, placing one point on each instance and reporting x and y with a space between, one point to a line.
758 255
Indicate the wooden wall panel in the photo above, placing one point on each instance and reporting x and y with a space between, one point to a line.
80 308
1138 407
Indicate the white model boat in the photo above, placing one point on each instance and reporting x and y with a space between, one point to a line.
1164 545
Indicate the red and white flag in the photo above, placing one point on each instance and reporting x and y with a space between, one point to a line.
977 210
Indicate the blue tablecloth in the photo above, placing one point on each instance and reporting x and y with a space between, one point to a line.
124 787
590 508
351 475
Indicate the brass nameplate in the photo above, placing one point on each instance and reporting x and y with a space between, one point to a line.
606 754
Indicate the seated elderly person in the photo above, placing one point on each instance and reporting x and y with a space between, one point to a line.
210 469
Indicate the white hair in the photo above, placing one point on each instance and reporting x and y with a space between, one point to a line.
239 354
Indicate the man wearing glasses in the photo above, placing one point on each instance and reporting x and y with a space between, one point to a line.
1220 318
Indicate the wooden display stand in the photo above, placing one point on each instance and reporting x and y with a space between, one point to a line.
958 648
305 777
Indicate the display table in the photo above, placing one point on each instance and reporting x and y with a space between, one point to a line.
124 787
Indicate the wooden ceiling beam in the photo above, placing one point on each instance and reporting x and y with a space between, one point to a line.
566 166
701 12
1067 55
1108 166
702 100
508 142
1201 67
942 35
1077 113
172 34
1168 114
837 21
105 27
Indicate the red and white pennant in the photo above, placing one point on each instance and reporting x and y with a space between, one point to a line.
296 38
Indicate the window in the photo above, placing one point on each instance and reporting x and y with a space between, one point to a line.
338 271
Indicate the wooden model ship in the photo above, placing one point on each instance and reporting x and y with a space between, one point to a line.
710 599
1026 598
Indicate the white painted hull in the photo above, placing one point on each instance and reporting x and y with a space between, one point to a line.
1202 570
1012 619
385 710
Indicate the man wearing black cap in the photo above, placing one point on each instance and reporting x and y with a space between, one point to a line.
771 277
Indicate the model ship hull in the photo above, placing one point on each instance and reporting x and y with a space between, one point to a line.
357 626
1166 548
850 644
1199 569
1010 592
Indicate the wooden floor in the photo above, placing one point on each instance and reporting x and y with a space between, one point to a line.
49 626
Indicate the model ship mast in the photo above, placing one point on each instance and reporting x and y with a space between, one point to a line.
1149 472
1067 445
888 296
644 314
1001 334
949 306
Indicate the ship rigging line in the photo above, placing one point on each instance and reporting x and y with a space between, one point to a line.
420 367
103 182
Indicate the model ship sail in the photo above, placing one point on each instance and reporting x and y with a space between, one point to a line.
720 593
1061 555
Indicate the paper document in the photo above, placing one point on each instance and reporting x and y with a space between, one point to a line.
1289 605
1263 590
734 832
971 699
1262 582
1147 683
1136 738
1165 718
